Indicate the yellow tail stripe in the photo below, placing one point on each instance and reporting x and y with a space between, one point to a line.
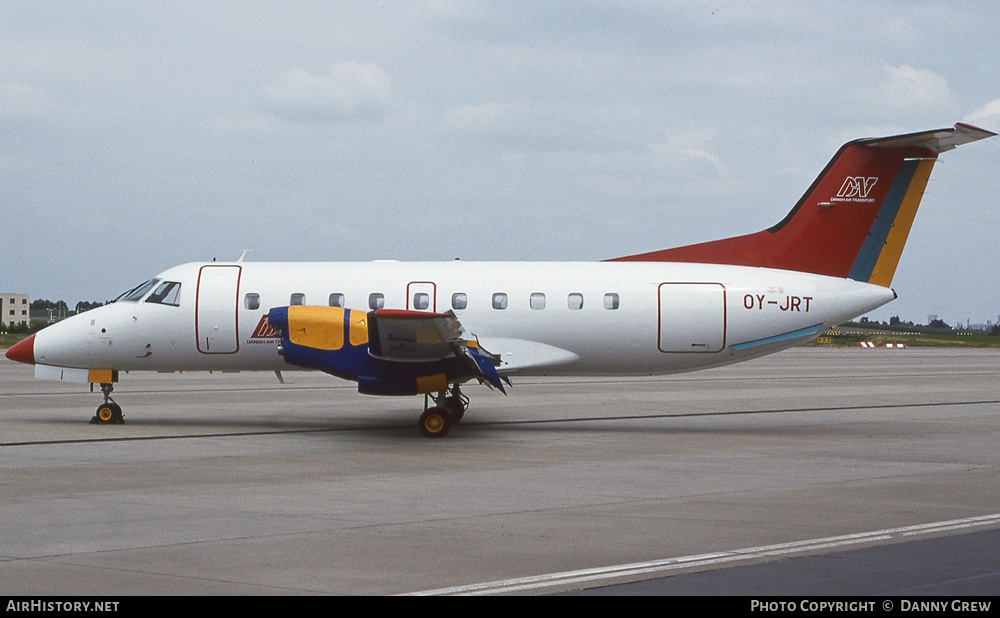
888 259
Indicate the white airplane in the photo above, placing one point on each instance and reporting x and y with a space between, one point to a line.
412 328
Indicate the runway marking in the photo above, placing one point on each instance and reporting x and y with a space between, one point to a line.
664 566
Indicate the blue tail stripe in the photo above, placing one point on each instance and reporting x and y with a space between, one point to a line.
864 264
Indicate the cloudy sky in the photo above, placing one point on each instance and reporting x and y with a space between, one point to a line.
136 136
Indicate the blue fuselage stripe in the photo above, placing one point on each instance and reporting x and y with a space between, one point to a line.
808 331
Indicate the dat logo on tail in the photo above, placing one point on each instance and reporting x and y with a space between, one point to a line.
856 186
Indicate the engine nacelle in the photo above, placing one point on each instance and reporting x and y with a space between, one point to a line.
337 341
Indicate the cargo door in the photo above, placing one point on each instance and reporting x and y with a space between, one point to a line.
692 317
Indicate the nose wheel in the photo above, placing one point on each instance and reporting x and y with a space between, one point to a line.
109 412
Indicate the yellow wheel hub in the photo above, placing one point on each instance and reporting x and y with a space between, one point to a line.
434 423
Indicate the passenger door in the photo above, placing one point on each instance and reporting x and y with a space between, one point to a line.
217 309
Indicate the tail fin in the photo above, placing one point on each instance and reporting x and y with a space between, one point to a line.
854 219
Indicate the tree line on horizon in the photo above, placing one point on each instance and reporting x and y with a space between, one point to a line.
935 326
60 305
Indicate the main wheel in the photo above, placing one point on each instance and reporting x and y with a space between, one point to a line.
435 422
456 406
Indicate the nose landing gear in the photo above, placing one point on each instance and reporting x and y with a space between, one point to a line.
108 412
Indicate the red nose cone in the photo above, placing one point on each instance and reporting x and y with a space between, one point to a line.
23 351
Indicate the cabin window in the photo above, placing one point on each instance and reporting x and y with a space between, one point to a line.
251 301
376 300
337 300
459 300
167 293
575 301
421 301
611 301
499 300
537 300
297 298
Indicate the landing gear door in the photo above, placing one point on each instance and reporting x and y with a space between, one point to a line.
421 296
216 309
692 317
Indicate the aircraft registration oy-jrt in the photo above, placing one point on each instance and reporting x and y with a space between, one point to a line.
428 328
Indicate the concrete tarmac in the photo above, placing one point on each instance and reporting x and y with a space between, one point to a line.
232 484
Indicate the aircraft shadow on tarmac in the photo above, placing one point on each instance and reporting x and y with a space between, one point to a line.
400 424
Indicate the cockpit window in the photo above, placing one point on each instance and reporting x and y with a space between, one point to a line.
167 293
133 295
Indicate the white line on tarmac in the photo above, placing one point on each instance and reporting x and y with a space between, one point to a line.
600 574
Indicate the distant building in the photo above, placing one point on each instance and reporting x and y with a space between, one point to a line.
14 309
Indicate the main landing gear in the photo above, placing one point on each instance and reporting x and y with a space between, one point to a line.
108 412
449 408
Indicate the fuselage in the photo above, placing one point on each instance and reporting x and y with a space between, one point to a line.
540 318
